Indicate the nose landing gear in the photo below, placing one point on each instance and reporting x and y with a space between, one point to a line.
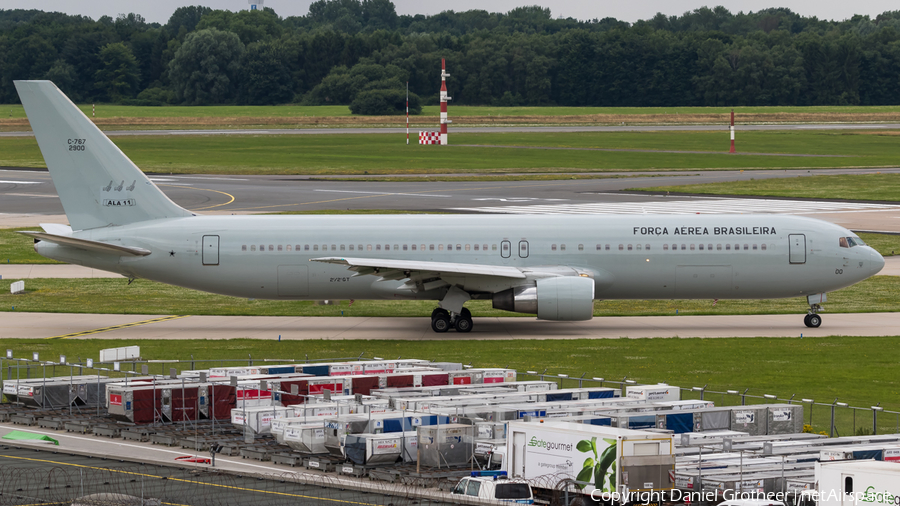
443 320
812 320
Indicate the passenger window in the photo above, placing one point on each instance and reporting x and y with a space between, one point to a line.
599 247
467 247
351 247
709 247
552 247
387 247
621 247
459 247
718 247
342 247
315 247
262 247
404 248
252 247
440 247
244 247
494 247
396 247
746 247
413 247
423 247
430 247
279 247
607 247
665 247
359 247
737 247
449 247
581 247
762 247
638 247
288 247
629 247
377 247
476 247
334 247
754 247
562 247
692 247
683 247
647 247
701 247
485 247
727 247
368 247
271 247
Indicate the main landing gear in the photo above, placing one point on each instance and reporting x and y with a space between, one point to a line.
443 320
813 320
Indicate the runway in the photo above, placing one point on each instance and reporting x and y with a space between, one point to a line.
54 326
28 197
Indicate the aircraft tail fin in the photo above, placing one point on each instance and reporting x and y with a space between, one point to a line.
97 184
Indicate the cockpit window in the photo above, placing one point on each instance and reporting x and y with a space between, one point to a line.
849 242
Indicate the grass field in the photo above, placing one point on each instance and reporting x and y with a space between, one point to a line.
882 187
115 296
473 153
854 370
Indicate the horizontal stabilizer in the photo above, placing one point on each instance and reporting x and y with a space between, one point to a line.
100 247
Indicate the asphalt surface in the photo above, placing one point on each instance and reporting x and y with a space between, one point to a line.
37 472
135 327
493 129
28 197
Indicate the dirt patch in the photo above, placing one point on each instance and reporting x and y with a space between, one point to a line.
432 121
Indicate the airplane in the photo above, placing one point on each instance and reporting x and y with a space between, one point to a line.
554 266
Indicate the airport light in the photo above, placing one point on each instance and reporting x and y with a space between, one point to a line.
34 356
598 379
90 363
630 382
770 396
808 400
841 404
534 373
697 389
9 354
469 366
377 358
563 375
732 392
62 360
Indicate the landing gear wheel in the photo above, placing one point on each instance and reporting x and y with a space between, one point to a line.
813 321
806 320
440 323
463 323
440 311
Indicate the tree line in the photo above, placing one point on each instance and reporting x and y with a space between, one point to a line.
361 52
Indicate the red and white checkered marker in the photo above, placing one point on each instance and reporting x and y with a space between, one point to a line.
430 137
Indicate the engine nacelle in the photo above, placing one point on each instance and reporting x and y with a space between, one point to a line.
569 298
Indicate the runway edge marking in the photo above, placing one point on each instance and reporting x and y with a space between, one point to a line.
116 327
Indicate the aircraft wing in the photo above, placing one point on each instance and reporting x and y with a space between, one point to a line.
85 244
391 269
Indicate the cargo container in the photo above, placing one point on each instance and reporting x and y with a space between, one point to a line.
784 419
373 449
751 419
139 404
605 458
180 403
466 377
442 446
653 393
222 397
258 419
306 438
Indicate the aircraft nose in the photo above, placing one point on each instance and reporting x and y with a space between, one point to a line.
877 262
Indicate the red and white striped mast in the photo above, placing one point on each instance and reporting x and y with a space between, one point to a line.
444 99
407 113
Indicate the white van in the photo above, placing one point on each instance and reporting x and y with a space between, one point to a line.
495 488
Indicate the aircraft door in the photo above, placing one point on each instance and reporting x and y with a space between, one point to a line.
523 249
505 249
797 248
210 250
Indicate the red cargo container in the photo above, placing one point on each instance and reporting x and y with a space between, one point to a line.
434 379
363 384
401 380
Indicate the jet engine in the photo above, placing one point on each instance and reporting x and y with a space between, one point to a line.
569 298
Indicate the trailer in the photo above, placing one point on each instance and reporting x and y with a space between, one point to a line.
442 446
222 397
854 482
139 404
258 419
607 459
651 393
372 449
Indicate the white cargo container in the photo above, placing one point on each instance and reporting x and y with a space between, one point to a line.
259 419
306 438
630 460
857 482
653 393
